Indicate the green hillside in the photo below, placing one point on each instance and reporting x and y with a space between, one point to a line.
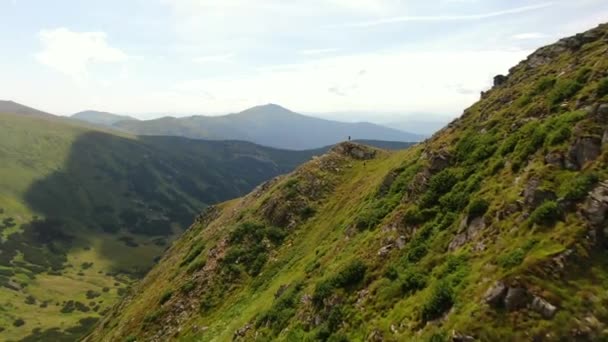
84 212
492 230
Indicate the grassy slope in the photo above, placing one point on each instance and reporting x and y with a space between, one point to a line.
341 285
52 167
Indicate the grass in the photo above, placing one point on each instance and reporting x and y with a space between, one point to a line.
429 287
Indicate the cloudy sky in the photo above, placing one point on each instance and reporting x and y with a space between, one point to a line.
218 56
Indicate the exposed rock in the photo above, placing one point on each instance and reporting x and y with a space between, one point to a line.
546 309
306 299
375 336
468 231
385 250
595 211
534 195
418 184
401 242
458 337
387 182
584 150
496 294
605 138
242 331
499 80
555 159
516 298
439 161
355 151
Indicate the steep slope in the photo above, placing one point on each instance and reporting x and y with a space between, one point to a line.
84 212
101 118
492 230
16 108
269 125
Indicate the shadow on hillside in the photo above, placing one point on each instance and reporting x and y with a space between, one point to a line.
115 185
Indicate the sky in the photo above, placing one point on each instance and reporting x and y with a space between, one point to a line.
368 59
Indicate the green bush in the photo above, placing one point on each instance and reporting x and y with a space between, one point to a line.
195 250
282 310
415 216
416 253
543 85
602 88
413 281
478 208
578 188
19 322
165 297
558 136
564 89
440 301
439 185
546 214
323 290
516 257
351 275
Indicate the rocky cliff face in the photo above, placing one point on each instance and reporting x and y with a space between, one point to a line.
492 230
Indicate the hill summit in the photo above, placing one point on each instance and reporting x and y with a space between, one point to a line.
492 230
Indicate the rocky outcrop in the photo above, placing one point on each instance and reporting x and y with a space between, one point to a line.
355 151
544 308
467 232
535 195
499 80
439 161
517 297
555 158
595 211
584 150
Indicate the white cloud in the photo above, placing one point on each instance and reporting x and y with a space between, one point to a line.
415 81
528 36
314 52
443 18
213 58
73 52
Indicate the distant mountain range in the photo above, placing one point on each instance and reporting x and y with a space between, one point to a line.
269 125
101 118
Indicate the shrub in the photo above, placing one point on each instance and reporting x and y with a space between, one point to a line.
415 216
478 208
578 188
602 88
516 256
391 273
351 275
165 297
323 290
416 253
19 322
563 90
440 301
195 250
546 214
543 85
558 136
413 281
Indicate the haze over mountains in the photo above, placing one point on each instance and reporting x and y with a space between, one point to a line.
268 125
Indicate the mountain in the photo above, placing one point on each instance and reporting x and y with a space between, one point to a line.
101 118
269 125
16 108
84 211
494 229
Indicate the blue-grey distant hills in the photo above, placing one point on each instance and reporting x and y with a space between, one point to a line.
268 125
101 118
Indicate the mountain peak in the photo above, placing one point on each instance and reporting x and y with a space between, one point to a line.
269 109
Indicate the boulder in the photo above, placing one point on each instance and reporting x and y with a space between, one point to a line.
355 151
516 298
496 294
595 211
546 309
459 337
534 195
468 231
401 241
555 159
605 138
385 250
584 150
439 161
499 80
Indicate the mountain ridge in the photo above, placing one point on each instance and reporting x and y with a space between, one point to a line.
494 229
